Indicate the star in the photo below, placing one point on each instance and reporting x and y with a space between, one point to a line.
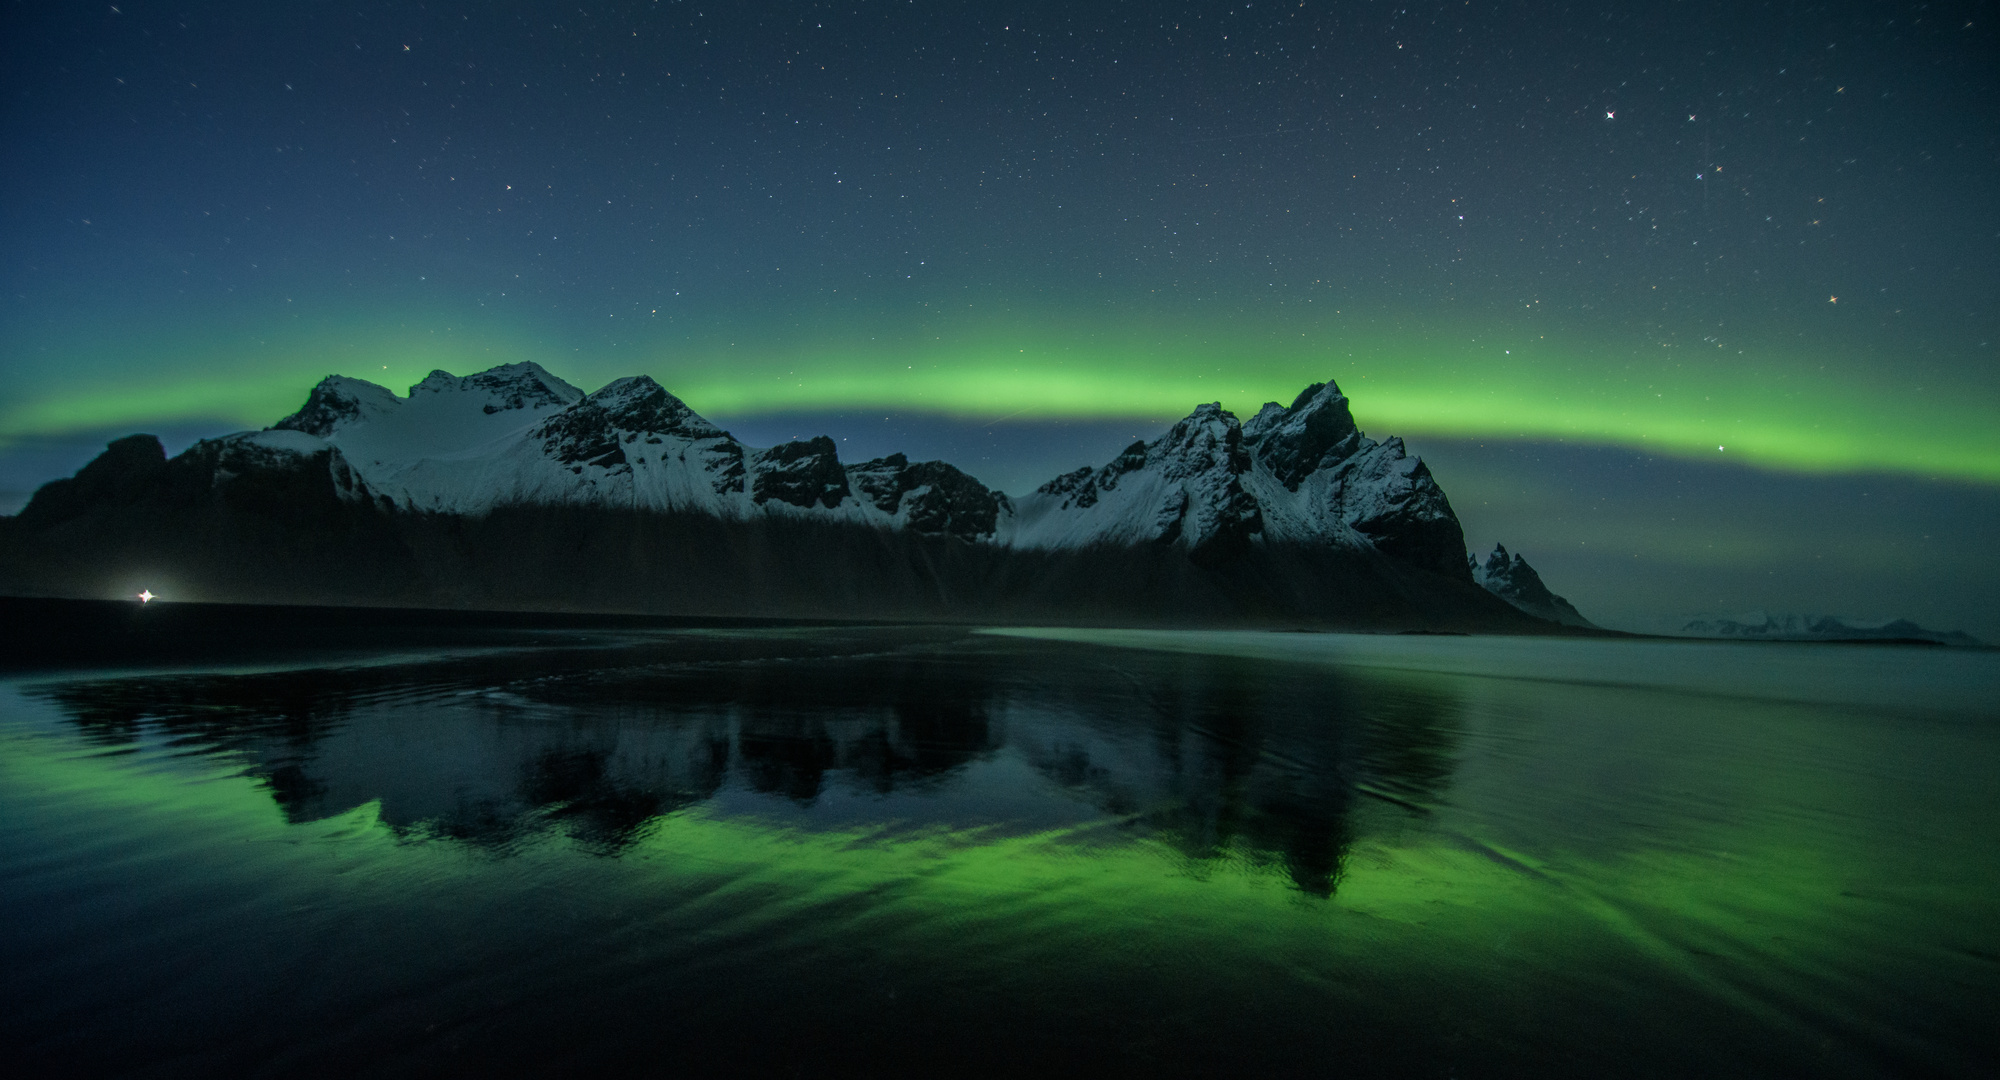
146 596
1609 114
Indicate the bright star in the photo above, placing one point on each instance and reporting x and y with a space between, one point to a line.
1608 115
146 596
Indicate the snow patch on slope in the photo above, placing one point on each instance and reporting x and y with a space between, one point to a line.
1184 487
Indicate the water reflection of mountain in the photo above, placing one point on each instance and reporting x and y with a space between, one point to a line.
1220 758
1257 761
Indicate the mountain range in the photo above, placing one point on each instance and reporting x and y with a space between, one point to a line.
511 488
1762 626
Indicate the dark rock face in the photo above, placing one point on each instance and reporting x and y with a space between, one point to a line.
585 435
1068 484
1381 492
943 501
271 484
1170 517
1204 454
801 473
123 473
882 481
1131 461
723 459
641 405
1392 499
1317 430
1080 488
228 517
1510 578
594 431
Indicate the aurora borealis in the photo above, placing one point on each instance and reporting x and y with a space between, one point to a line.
1757 249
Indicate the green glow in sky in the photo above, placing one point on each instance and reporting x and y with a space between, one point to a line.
1781 406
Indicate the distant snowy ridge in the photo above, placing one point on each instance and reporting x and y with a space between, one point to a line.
1760 626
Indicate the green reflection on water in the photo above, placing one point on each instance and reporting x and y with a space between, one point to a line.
1729 876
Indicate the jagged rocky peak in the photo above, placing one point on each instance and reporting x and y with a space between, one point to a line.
929 496
802 473
1185 487
638 404
1392 499
595 431
1510 578
338 402
1295 442
1205 455
1504 571
1210 438
1378 490
525 385
1080 488
1208 441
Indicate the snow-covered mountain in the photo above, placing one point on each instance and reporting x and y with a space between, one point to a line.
512 487
1211 485
1510 578
1303 474
1761 626
518 435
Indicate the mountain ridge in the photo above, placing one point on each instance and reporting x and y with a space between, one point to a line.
1763 626
1237 503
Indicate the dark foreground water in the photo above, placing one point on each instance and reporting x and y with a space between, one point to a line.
937 852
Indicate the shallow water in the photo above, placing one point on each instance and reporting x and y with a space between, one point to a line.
878 852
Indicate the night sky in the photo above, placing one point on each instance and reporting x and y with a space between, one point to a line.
1693 305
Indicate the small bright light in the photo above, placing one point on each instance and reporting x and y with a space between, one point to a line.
146 596
1718 448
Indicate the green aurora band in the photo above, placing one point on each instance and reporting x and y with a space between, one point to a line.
1777 402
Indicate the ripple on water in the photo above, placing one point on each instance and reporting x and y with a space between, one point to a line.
853 852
